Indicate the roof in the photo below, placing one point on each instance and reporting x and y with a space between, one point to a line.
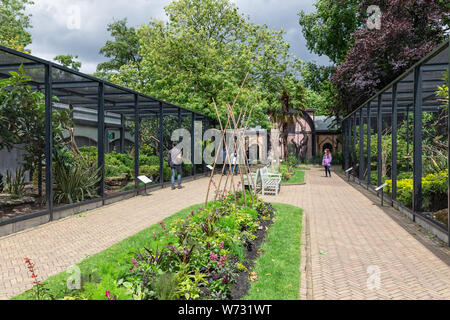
82 90
325 124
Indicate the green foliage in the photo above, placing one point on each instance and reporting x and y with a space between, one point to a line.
13 24
329 29
75 181
203 52
123 50
16 183
22 112
69 61
434 190
2 185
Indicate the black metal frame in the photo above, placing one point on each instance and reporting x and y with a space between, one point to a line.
413 91
81 90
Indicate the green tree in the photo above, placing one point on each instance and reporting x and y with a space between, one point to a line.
203 52
293 99
123 50
69 61
329 30
13 24
22 112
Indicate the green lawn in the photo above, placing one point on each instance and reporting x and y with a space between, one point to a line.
278 268
297 178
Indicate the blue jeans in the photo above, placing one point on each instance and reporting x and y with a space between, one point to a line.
176 169
327 171
235 169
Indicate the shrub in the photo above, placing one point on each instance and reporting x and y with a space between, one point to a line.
16 184
434 191
75 183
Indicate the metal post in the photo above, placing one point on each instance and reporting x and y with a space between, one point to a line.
137 122
194 169
161 141
369 158
361 146
417 148
48 140
101 138
448 157
379 141
122 134
354 156
407 138
204 146
394 142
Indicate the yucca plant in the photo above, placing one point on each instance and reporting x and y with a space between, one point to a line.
2 185
75 183
16 184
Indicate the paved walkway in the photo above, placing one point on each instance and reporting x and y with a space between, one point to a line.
348 239
359 251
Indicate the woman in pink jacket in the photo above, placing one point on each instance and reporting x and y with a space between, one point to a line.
326 162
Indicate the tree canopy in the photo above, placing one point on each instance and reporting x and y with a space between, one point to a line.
13 24
203 52
409 30
328 30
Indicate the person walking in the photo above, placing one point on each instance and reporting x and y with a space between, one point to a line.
175 160
326 162
224 159
235 162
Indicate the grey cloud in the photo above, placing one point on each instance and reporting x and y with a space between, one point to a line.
55 30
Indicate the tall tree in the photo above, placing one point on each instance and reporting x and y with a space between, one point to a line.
203 52
14 23
410 29
328 30
292 97
123 50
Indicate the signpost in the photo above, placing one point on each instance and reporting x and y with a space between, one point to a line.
382 193
146 181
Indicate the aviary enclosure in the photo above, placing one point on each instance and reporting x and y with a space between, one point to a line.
400 137
70 141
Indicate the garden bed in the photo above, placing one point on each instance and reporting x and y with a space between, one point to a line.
214 266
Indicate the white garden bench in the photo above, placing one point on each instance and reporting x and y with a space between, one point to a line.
270 182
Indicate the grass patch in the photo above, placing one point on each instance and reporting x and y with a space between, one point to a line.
297 178
99 271
278 268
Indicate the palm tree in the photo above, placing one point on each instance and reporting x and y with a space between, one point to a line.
292 98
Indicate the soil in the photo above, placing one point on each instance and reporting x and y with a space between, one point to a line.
242 284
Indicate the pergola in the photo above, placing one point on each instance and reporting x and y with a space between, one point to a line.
81 91
414 92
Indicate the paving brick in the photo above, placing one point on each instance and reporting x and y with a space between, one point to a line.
356 234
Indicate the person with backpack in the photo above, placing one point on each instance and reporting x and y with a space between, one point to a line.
175 160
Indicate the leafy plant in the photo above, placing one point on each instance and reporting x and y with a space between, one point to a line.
16 184
75 183
2 185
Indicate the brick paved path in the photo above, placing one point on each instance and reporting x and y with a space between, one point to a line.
344 225
350 238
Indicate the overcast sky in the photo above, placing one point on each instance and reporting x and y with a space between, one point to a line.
79 26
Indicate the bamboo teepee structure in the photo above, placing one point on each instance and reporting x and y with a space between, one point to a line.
238 126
